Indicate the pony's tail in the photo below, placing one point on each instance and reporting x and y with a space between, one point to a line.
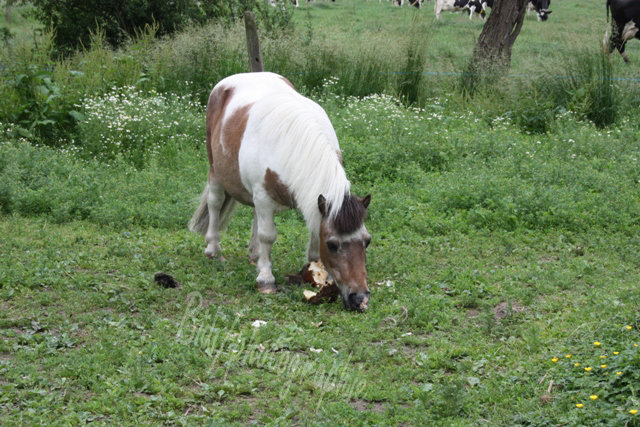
200 220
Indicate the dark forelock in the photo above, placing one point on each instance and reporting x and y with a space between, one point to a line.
351 215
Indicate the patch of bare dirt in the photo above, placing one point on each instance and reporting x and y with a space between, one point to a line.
503 310
363 405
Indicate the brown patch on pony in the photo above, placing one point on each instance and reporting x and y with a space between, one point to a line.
339 157
351 215
288 82
224 140
216 108
278 190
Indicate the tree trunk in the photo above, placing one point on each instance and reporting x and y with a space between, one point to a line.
492 54
253 43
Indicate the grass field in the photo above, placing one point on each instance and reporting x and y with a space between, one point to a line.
503 267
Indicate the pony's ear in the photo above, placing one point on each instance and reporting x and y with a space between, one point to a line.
322 205
366 200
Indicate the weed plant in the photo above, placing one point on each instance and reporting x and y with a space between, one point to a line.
597 381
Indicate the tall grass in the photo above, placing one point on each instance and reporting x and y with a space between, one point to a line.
586 86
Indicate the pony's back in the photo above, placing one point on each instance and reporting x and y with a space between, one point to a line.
284 133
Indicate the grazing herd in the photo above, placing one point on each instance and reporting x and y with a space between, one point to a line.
478 7
470 6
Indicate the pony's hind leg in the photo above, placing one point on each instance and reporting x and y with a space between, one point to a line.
266 230
215 201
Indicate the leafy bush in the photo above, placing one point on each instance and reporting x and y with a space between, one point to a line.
73 20
42 111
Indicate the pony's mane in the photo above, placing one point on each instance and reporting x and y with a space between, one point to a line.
306 148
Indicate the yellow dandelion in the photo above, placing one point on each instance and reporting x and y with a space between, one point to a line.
633 411
593 397
635 345
628 328
576 364
603 366
580 405
616 352
596 343
603 357
568 356
618 373
555 359
588 368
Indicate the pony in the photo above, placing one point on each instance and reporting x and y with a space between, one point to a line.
273 149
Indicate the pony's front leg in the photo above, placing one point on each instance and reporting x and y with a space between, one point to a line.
266 230
313 251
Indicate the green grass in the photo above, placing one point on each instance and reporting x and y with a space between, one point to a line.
498 246
494 251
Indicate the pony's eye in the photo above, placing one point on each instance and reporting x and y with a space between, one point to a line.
367 242
332 246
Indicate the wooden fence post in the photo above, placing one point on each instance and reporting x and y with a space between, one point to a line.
253 43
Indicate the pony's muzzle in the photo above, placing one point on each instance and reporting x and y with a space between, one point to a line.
358 301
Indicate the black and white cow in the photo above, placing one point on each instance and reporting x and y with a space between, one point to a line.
414 3
471 6
486 4
625 22
541 7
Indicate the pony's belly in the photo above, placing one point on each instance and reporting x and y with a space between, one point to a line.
228 176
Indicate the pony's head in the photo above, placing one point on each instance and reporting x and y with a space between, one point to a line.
343 244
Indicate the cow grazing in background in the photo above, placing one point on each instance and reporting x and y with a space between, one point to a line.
541 7
486 4
625 22
471 6
415 3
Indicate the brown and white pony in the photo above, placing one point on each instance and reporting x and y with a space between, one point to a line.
271 148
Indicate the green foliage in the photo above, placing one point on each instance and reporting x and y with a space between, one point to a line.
42 111
73 20
587 88
40 181
138 126
269 19
5 35
411 77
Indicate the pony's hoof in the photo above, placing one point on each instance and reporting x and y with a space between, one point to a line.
266 288
216 257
